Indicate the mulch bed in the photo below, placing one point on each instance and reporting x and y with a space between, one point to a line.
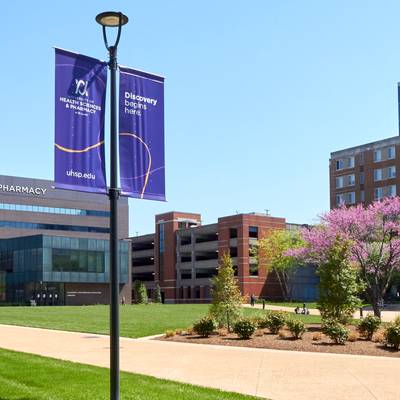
265 340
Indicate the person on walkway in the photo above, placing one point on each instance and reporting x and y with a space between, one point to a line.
252 300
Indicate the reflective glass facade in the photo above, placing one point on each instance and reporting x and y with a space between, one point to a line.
52 227
30 262
53 210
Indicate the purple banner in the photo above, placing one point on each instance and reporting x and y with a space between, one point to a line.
80 93
141 135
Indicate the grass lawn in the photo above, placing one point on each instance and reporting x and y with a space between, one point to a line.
29 377
136 320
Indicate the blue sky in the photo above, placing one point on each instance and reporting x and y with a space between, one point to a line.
257 94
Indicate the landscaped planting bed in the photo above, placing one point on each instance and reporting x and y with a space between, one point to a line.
283 341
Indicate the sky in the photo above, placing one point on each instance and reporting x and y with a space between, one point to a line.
257 93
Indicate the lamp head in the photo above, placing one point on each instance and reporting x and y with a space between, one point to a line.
112 19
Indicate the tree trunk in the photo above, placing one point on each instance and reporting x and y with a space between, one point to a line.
375 307
228 323
282 286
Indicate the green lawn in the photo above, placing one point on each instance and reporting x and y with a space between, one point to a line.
136 320
29 377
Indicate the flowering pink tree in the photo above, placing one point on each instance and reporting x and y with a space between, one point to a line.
374 236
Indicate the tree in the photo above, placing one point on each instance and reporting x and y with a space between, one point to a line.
339 284
271 254
374 236
226 297
140 292
157 294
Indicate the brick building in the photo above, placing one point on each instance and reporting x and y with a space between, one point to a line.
365 173
182 255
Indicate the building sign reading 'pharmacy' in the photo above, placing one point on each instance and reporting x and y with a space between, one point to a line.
38 191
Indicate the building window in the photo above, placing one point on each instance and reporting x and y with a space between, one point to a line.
351 180
377 155
362 195
392 172
253 232
345 198
391 153
392 190
378 193
53 227
253 269
232 233
66 260
362 178
377 175
339 182
345 163
186 274
53 210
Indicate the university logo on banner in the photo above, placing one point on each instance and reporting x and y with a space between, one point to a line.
80 93
141 135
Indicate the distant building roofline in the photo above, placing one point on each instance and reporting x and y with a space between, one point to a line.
367 146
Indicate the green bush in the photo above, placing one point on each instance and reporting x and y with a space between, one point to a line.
205 326
392 334
335 331
140 292
296 327
245 328
274 321
369 325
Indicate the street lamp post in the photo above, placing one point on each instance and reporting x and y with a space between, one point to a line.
115 20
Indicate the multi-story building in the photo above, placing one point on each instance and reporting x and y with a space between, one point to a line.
365 173
54 244
182 255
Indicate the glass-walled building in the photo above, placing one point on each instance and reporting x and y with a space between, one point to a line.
54 244
56 270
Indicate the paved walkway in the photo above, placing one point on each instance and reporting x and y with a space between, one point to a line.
274 374
387 314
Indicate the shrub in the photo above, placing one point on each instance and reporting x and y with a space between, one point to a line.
226 296
368 326
296 327
379 337
244 328
258 320
353 336
335 331
275 321
222 332
205 326
339 284
392 335
140 292
170 333
157 294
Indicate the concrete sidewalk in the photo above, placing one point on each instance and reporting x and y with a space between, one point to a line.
387 315
273 374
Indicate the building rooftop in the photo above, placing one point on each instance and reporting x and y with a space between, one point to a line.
368 146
